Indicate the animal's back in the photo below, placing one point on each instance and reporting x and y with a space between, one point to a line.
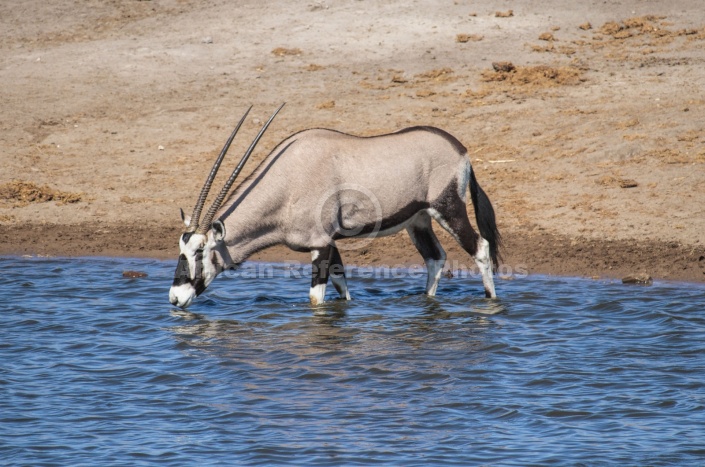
323 175
418 157
410 167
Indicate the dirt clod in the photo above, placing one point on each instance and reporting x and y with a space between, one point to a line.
463 38
133 274
638 278
503 67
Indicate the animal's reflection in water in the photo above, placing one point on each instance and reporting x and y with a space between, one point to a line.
370 331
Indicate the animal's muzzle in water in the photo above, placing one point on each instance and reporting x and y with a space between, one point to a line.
184 288
182 295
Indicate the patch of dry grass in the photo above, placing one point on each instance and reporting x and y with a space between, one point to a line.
540 76
283 51
20 193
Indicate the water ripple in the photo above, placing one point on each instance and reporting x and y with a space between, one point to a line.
97 369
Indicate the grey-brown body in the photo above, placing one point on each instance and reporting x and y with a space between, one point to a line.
308 182
319 186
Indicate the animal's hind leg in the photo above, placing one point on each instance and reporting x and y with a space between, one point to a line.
454 218
425 240
337 274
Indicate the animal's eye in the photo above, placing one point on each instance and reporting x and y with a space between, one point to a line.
186 237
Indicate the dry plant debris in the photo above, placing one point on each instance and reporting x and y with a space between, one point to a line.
610 180
440 74
21 193
463 38
540 75
314 67
642 25
283 51
326 105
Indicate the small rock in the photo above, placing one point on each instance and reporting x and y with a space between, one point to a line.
547 36
628 183
639 278
161 148
207 40
133 274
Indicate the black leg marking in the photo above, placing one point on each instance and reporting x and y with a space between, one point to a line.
459 227
427 244
453 216
337 274
336 264
320 266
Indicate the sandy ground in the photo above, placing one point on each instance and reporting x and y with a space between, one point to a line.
591 148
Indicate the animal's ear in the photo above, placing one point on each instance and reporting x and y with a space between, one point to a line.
185 218
218 230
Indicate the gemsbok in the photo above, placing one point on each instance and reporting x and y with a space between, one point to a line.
319 186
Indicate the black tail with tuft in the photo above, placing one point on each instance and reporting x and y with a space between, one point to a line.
484 215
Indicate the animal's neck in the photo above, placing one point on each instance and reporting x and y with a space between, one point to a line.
253 226
248 241
252 212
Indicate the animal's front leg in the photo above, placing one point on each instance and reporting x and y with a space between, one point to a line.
320 265
337 274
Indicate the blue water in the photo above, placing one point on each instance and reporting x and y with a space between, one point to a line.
96 369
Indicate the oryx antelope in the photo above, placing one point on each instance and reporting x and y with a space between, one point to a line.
318 186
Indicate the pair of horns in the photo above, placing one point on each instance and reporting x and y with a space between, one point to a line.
202 227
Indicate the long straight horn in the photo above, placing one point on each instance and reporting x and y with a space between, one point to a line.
226 188
211 176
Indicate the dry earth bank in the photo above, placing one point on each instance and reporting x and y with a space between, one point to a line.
583 120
